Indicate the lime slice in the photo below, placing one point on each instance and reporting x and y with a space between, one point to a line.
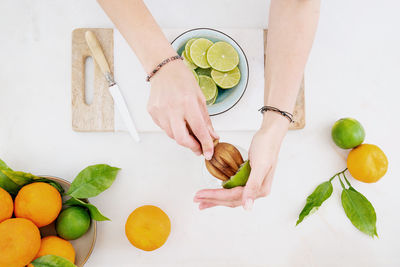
187 48
226 80
198 52
240 178
206 72
187 61
195 75
209 89
222 56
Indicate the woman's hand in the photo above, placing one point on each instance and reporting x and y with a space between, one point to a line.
263 155
176 103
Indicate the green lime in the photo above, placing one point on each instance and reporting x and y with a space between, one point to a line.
209 89
240 178
195 75
198 52
226 80
72 223
222 56
187 61
187 48
206 72
348 133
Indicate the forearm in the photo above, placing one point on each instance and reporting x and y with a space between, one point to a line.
291 30
140 30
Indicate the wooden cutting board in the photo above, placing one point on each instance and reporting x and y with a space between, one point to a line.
99 115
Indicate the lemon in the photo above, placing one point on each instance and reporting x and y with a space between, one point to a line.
209 89
198 52
222 56
187 48
188 62
226 80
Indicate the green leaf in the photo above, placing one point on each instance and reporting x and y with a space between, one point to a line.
92 181
360 211
52 261
52 183
315 200
95 214
5 182
20 178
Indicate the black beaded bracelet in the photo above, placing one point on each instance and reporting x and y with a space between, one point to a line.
285 114
159 66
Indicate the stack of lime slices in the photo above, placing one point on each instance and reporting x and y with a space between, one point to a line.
213 64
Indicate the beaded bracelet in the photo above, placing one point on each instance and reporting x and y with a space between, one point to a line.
159 66
285 114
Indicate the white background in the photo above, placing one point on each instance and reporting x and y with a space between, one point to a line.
353 70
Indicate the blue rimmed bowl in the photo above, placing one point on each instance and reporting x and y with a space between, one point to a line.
227 98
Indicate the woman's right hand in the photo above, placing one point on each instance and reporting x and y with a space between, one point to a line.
176 103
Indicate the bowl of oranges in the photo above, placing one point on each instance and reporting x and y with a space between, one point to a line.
48 221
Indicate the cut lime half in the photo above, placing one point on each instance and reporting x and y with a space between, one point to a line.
222 57
187 48
226 80
187 61
206 72
209 89
198 52
240 178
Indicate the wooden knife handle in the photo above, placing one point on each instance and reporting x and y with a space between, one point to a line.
97 52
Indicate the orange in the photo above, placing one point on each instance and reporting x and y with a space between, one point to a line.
367 163
39 202
6 205
19 242
147 227
53 245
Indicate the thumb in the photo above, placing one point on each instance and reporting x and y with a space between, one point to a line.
252 188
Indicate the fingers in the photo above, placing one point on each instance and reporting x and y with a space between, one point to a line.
200 130
181 135
219 194
253 186
214 203
207 118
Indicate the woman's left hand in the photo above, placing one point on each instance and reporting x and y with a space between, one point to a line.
263 155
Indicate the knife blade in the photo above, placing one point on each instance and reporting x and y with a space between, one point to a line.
98 55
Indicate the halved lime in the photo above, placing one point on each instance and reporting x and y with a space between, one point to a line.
240 178
198 52
187 48
206 72
195 75
187 61
226 80
222 56
209 89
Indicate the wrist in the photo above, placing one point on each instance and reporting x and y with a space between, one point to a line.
275 122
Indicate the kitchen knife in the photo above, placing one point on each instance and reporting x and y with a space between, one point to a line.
98 55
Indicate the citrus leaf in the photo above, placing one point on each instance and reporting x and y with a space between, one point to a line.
52 261
95 214
360 211
20 178
315 200
5 182
92 181
52 183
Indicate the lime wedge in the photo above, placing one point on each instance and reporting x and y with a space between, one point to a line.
187 61
198 52
206 72
195 75
226 80
240 178
209 89
187 48
222 56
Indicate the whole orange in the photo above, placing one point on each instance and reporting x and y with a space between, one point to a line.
6 205
39 202
367 163
148 227
53 245
19 242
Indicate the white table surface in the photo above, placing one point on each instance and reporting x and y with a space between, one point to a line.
353 70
